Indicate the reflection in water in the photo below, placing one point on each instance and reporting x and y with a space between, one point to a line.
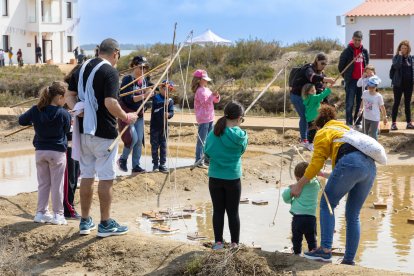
387 240
18 171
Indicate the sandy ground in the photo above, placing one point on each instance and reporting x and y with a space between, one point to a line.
38 249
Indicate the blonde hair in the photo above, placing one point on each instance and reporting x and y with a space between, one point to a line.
48 93
195 84
305 90
370 67
404 43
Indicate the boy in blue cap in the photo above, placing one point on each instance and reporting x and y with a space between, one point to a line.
159 125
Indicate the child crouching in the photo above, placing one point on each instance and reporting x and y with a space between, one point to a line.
303 210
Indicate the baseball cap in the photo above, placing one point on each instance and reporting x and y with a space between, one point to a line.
201 74
373 81
140 60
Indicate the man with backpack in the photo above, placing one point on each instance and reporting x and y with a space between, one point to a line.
354 51
298 77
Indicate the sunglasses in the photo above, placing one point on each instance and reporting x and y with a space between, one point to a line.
324 63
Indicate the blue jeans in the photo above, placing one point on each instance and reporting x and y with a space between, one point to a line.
353 175
353 93
203 130
137 133
297 102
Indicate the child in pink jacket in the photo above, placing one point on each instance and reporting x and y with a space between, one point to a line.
204 101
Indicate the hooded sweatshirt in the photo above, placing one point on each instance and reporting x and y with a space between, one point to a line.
359 62
51 126
225 153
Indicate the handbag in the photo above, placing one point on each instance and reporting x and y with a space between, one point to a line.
364 143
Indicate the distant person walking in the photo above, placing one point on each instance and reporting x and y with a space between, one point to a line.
10 52
355 50
76 53
81 57
401 74
38 54
20 57
97 51
1 58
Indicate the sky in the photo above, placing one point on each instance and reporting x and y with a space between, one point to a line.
152 21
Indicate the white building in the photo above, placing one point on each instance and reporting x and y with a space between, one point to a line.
51 24
384 24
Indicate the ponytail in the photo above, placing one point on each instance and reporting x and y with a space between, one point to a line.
50 92
220 126
233 111
195 83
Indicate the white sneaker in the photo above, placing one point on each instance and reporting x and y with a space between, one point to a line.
59 219
43 218
310 147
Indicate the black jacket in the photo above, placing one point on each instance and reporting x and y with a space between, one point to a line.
346 57
51 126
308 74
396 69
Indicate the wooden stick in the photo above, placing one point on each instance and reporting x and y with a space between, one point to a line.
111 147
267 86
323 186
346 67
17 131
25 102
146 74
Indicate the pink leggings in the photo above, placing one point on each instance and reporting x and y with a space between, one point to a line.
50 176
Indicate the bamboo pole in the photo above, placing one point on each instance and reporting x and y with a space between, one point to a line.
144 88
111 147
146 74
17 131
25 102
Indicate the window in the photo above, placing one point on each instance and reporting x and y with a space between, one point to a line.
5 7
69 10
381 44
70 43
5 42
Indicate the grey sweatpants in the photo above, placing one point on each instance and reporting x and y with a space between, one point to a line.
371 128
50 167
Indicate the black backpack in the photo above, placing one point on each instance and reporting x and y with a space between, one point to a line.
297 76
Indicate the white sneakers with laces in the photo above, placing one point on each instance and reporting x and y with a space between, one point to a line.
43 217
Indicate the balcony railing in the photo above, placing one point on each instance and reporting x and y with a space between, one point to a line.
50 19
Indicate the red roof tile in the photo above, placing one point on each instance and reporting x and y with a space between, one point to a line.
383 8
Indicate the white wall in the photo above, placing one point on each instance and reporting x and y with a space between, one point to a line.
19 13
403 27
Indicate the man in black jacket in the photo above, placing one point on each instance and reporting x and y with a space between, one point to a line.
356 51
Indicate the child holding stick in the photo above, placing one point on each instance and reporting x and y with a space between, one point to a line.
51 124
204 101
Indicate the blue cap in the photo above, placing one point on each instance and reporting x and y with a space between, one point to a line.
170 83
373 81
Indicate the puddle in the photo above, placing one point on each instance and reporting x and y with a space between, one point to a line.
18 171
385 235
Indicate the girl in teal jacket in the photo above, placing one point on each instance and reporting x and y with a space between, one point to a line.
224 147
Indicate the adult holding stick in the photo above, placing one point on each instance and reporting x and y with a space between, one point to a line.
353 175
134 137
357 53
309 73
96 84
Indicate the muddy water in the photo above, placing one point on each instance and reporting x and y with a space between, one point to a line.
387 240
18 171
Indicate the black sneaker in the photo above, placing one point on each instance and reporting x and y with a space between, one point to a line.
344 262
394 126
155 168
410 125
122 164
163 168
138 169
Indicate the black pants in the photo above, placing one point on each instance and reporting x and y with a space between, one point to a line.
407 90
158 141
225 195
311 131
71 182
303 225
